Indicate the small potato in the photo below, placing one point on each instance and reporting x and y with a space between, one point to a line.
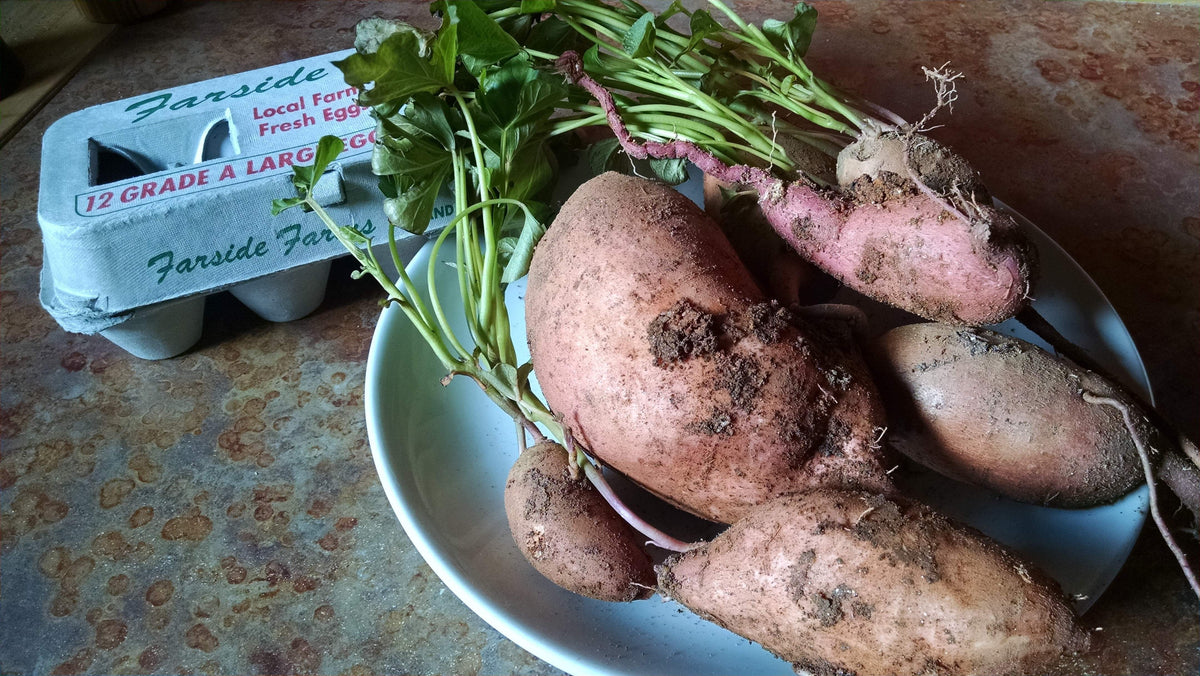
998 412
846 582
569 533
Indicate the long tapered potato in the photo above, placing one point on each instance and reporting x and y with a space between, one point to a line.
846 582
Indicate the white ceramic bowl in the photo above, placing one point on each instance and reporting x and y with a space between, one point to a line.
443 454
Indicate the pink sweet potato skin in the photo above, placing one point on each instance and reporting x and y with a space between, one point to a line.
843 582
656 347
566 530
999 412
894 243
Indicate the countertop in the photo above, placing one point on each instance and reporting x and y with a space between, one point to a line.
219 512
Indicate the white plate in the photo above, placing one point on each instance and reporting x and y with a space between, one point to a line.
443 454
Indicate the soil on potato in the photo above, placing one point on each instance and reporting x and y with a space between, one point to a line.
881 188
741 377
943 170
548 491
769 320
686 331
681 332
882 525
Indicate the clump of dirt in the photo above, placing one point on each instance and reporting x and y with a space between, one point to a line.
741 377
718 422
883 523
828 605
884 186
769 320
798 577
547 492
943 170
836 437
870 264
820 667
683 331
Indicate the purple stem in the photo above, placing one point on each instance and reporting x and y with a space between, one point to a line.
571 66
657 537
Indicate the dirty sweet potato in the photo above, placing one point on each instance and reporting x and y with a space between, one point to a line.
999 412
845 582
569 533
656 347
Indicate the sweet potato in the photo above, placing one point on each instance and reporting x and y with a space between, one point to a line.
569 533
892 242
999 412
657 348
775 265
915 240
844 582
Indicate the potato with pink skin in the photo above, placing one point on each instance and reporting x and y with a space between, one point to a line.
845 582
908 225
566 530
901 246
657 348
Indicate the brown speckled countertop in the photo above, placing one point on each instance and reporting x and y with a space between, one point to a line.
219 512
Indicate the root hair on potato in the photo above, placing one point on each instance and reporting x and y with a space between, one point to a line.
1155 513
946 91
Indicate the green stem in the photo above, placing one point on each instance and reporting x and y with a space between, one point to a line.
488 279
431 335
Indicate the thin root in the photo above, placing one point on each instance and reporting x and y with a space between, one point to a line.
1149 471
867 512
946 91
1189 449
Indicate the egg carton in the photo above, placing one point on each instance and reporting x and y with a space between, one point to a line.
150 204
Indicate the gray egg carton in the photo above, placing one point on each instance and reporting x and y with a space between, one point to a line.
150 204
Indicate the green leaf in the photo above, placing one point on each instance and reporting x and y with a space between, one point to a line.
554 36
479 36
412 208
600 155
397 69
354 236
523 372
445 51
703 27
434 117
522 253
794 36
514 103
305 177
281 205
371 32
328 148
638 41
672 9
672 172
502 376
